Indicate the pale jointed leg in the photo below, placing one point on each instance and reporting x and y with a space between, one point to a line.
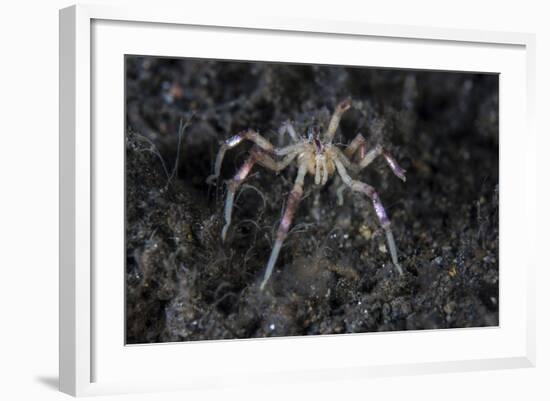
276 165
325 175
233 185
366 189
287 128
377 151
340 194
230 143
258 140
256 156
335 120
358 143
294 148
291 207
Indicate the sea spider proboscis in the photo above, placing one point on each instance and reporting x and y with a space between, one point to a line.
315 155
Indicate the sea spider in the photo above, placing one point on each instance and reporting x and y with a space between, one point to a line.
317 156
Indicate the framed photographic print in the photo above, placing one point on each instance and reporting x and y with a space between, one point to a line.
285 200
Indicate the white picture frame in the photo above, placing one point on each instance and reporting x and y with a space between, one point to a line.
88 366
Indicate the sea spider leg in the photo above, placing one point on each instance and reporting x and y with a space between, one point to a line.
230 143
287 128
276 165
358 142
325 171
292 204
335 120
232 187
366 189
256 156
372 154
340 188
254 137
294 148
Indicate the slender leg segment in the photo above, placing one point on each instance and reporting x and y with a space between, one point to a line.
230 143
295 148
234 184
292 205
397 170
366 189
325 175
358 143
276 165
256 156
340 194
258 140
287 128
377 151
335 120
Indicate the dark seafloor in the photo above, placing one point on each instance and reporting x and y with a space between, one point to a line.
334 274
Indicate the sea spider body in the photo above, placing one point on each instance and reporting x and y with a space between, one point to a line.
317 156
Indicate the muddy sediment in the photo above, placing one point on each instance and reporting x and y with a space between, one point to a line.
334 273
